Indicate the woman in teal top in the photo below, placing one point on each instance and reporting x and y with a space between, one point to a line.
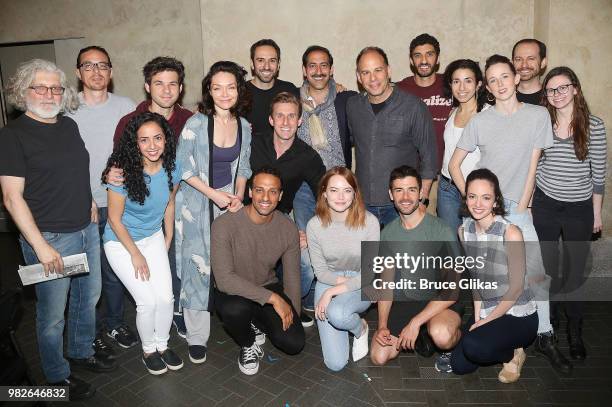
135 245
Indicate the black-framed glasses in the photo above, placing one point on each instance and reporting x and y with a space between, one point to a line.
561 90
42 89
101 66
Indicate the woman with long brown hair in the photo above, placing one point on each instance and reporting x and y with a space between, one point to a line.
335 234
570 183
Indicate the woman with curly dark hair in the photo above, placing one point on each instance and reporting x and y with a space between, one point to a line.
463 83
135 245
214 151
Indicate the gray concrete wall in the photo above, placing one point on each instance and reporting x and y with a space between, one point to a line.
200 32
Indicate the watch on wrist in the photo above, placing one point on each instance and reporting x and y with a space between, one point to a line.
425 201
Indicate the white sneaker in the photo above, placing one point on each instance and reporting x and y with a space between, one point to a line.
248 360
260 337
360 345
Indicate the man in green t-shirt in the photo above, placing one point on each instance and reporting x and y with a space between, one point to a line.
404 325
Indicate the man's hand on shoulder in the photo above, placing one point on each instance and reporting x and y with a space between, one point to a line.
115 176
284 310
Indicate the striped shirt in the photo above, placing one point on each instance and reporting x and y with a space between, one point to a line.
563 177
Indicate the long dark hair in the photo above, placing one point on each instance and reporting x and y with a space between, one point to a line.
487 175
127 156
579 125
243 104
481 94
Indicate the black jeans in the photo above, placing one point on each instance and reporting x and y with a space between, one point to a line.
237 313
573 222
493 342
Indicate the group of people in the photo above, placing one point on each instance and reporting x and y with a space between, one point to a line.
240 207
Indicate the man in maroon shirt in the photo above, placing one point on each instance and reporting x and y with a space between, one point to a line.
164 84
428 85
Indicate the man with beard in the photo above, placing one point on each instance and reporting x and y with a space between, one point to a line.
428 85
325 128
529 59
97 117
413 325
265 65
390 128
245 247
164 78
44 177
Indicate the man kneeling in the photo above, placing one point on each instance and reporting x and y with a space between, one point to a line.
245 247
414 325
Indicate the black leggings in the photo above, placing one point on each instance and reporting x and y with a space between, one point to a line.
493 342
574 222
237 313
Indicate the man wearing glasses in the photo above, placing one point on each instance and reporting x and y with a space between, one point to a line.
44 176
529 59
97 117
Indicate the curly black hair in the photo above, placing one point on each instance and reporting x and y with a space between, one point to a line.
481 94
127 156
243 104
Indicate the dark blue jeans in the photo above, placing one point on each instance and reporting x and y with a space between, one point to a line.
384 213
112 289
80 292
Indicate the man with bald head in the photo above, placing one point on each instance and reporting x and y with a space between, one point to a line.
390 128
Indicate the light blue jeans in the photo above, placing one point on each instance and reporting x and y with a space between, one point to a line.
535 265
81 293
449 203
303 210
342 317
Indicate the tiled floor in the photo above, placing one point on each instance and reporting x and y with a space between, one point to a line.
303 380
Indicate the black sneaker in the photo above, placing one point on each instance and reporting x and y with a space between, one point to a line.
93 364
154 364
443 363
260 337
123 336
77 388
103 350
171 359
248 360
546 346
179 323
197 353
306 320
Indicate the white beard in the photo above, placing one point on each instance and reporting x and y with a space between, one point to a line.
41 112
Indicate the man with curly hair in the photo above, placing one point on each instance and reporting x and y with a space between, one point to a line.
44 176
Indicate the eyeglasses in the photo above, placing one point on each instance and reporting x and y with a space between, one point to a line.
101 66
42 89
561 90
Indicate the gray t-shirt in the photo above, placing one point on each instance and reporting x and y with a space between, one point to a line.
338 248
97 126
506 143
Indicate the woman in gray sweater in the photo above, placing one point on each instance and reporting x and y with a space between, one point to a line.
334 242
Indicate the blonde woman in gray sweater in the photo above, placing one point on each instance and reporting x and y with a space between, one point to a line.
334 236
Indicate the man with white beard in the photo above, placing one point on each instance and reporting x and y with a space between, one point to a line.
44 176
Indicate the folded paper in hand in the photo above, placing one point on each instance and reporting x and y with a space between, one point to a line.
73 266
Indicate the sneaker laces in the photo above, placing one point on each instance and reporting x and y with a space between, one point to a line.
100 344
253 352
256 330
123 330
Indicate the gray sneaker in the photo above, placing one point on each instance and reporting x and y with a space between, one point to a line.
443 363
260 337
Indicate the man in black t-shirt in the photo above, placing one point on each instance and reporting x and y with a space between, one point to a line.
265 64
529 59
44 175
